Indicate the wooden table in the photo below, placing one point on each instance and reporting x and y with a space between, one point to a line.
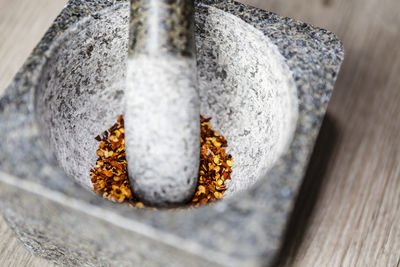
348 210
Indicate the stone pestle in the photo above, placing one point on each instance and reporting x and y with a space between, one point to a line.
162 106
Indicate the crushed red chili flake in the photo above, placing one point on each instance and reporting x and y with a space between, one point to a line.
110 175
215 165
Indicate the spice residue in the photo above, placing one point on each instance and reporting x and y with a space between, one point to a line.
110 175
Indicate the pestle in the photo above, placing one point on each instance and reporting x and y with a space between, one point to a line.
162 127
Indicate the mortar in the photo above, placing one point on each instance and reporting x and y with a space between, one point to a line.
265 80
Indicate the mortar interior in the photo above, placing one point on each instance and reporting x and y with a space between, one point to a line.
244 85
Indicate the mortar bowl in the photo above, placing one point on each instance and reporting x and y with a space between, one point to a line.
265 80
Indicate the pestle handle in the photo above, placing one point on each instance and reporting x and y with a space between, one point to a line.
160 27
162 107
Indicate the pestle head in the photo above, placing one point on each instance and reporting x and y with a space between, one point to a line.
162 107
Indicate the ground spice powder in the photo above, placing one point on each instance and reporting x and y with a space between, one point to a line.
110 175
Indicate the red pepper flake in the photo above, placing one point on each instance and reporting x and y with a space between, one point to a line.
110 175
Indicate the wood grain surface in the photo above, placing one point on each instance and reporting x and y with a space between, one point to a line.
347 213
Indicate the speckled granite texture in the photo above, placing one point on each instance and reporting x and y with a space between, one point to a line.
62 221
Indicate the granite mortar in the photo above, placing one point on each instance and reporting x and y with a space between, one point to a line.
63 221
